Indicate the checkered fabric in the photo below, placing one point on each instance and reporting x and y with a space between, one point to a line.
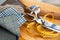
11 19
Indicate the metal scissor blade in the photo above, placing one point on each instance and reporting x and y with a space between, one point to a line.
52 26
49 25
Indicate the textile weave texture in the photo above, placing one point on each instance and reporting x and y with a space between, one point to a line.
11 19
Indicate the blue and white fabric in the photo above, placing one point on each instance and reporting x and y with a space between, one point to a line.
11 19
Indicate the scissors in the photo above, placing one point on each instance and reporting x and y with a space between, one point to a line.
36 10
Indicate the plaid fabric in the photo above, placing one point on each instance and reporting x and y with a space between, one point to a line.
11 19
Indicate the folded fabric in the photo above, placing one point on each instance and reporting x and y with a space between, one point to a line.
11 19
2 1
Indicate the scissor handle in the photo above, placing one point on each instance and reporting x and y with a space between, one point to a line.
49 14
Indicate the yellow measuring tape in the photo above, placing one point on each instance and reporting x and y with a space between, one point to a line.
35 29
49 15
31 28
44 32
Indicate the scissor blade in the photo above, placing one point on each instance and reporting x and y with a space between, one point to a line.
52 26
49 25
